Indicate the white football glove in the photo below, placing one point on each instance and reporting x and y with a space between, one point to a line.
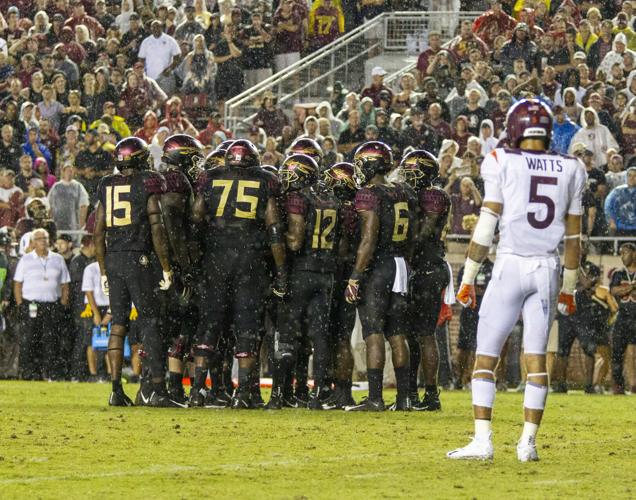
104 282
166 282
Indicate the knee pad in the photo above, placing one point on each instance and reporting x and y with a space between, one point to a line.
483 390
534 396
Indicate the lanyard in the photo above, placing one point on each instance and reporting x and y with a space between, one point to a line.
44 262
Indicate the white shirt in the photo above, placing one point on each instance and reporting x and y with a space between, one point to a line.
158 53
91 282
537 190
42 277
6 194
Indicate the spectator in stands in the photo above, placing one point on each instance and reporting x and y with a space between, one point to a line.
563 131
615 175
70 148
323 110
93 154
492 23
595 136
474 113
42 169
419 135
229 75
270 117
463 43
426 58
436 121
114 121
377 85
466 202
160 54
620 207
41 290
11 198
288 35
68 201
619 48
520 46
257 50
215 125
326 23
487 139
34 147
9 148
50 108
174 119
189 28
351 136
602 46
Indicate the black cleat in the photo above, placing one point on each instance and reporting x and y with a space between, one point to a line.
560 388
294 402
368 405
414 398
197 398
119 398
401 404
177 396
276 401
430 402
217 400
242 401
158 400
316 399
257 398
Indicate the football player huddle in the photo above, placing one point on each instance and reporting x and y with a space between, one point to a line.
222 253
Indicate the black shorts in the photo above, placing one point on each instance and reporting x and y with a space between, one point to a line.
569 330
232 293
309 303
468 319
133 277
343 314
381 310
425 298
625 328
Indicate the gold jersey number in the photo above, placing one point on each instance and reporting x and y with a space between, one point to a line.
249 202
401 224
321 236
118 207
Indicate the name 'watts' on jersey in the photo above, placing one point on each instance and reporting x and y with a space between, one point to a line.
537 190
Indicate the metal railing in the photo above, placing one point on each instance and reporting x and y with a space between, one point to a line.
343 60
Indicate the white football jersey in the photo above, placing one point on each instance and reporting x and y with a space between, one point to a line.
537 190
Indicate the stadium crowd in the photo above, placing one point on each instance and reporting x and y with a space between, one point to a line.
77 77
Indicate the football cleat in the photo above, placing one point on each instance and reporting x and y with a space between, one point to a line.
257 398
294 402
475 450
276 401
401 404
318 396
197 398
367 405
242 401
119 398
414 397
527 452
178 396
217 400
338 400
158 400
430 402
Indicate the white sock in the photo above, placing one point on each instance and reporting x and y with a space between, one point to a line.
482 429
529 432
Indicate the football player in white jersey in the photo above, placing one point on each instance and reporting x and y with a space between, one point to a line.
535 196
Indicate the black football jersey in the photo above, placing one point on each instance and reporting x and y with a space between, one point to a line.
125 200
236 200
321 211
394 205
432 202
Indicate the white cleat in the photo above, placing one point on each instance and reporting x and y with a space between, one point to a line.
527 452
477 449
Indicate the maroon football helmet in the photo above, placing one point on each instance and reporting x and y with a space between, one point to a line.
529 119
340 178
131 152
184 152
371 158
242 154
224 145
215 159
418 169
306 146
297 171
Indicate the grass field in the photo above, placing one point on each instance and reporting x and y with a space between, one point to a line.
61 441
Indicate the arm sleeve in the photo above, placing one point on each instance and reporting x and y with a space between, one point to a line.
19 271
576 195
490 171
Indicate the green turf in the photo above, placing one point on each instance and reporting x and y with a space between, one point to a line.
61 441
